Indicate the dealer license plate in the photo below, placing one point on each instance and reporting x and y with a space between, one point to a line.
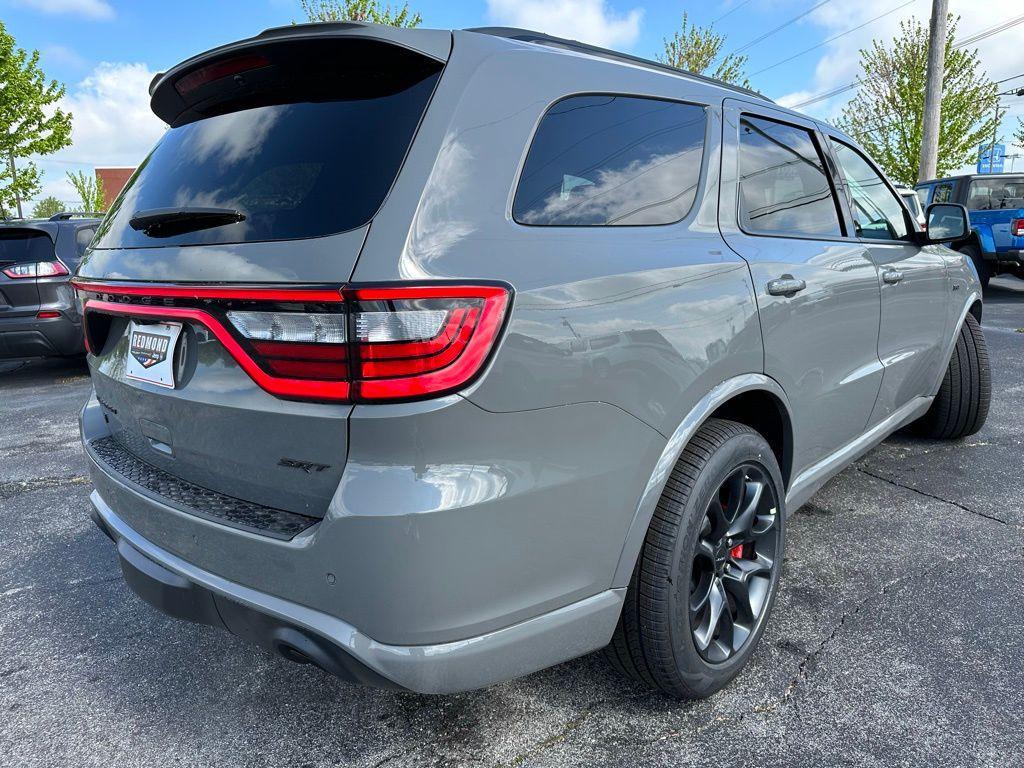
151 352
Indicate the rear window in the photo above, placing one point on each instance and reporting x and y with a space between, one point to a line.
19 245
943 193
991 194
612 160
306 144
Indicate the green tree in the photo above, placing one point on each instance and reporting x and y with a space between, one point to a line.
46 207
30 124
360 10
697 49
886 115
89 189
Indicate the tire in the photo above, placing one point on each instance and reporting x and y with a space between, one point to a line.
961 406
980 265
657 640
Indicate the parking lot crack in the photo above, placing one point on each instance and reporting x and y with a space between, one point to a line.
809 661
918 491
551 741
14 488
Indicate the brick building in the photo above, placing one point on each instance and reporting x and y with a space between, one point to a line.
113 180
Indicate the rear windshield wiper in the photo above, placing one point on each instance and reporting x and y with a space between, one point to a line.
167 222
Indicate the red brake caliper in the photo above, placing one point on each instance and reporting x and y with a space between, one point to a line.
736 551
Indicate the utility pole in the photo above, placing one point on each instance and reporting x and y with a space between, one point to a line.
995 138
933 91
14 183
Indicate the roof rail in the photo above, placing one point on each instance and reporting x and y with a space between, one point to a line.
529 36
66 215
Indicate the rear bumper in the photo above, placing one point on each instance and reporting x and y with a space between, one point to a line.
34 337
305 635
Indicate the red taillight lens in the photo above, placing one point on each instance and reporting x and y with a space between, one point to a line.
1017 227
35 269
357 345
388 343
47 314
417 341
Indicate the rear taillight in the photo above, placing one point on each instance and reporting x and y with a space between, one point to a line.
1017 227
35 269
365 344
418 341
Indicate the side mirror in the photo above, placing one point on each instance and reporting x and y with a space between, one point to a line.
947 222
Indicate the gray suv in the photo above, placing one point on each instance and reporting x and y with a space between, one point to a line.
434 358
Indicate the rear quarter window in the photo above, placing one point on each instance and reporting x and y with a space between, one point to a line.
612 161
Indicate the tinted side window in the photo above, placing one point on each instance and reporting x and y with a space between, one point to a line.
784 188
922 195
877 213
612 160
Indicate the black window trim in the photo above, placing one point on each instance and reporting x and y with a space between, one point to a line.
910 225
827 161
701 176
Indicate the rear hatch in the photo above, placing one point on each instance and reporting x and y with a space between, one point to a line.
21 250
235 236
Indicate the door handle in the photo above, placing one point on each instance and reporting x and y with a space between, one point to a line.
892 276
786 285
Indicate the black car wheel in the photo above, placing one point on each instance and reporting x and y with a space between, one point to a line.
709 569
961 406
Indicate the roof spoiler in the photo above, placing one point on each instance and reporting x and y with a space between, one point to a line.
433 43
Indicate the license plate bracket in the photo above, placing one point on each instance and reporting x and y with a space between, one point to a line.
151 348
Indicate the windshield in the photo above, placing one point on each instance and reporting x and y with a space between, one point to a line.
991 194
318 163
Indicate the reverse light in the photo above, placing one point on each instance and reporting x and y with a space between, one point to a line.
1017 227
35 269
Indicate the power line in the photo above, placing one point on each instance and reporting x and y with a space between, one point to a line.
833 38
1002 27
769 33
730 11
991 31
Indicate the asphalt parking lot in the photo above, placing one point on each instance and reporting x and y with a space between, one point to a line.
897 639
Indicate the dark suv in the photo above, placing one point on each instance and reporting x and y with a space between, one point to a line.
38 313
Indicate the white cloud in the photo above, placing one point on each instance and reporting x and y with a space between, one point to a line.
1001 55
91 9
112 125
838 63
63 56
589 21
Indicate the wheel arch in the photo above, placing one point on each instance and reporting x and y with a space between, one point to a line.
752 399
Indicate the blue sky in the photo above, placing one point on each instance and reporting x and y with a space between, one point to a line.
106 50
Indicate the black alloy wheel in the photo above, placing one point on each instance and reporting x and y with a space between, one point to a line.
733 561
